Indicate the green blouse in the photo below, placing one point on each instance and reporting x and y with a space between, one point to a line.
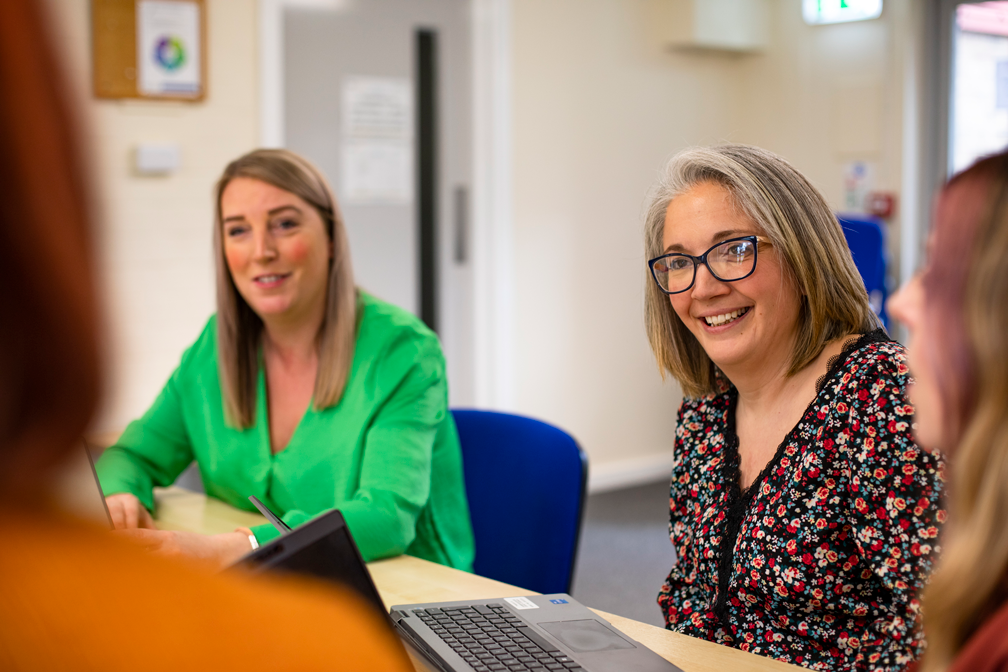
387 455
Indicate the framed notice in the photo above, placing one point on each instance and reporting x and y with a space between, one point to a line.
149 49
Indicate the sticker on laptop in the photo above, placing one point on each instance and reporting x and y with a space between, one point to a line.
521 603
558 601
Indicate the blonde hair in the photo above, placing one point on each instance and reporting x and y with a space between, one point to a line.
239 329
802 229
967 296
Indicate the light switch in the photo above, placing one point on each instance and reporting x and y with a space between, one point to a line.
157 159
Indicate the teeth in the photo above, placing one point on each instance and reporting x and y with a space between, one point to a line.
718 320
268 278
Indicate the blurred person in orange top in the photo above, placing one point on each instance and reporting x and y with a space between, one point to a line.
73 596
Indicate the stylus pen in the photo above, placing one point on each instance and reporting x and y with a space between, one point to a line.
270 516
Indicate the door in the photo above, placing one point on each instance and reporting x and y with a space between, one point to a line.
378 95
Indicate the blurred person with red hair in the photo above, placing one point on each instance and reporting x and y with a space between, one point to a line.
956 311
71 595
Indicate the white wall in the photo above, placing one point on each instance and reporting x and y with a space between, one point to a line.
823 96
599 105
155 232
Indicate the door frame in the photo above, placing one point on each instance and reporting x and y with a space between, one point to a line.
492 251
926 125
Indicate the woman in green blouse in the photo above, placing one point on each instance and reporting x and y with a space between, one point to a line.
301 390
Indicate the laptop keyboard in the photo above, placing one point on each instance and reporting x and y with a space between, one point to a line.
492 639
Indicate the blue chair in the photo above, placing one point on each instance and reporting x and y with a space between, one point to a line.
526 483
866 241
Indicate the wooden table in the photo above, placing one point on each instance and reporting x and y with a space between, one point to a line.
409 580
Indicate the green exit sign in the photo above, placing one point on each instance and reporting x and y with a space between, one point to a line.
818 12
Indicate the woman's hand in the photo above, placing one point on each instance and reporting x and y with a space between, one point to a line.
218 550
128 513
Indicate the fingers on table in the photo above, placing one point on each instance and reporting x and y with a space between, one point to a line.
128 513
144 518
119 510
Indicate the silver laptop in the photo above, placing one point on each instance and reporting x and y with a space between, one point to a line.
76 488
524 633
521 633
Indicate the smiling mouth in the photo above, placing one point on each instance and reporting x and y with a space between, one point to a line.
268 279
725 318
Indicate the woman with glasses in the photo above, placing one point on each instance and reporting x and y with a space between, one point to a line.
803 516
302 390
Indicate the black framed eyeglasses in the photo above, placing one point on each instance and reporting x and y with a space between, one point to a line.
727 261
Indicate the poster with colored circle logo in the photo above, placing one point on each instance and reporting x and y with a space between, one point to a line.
168 48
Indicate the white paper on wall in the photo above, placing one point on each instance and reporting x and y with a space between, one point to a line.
377 164
859 180
168 48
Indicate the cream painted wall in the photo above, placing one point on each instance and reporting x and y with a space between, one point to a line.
823 96
599 105
155 232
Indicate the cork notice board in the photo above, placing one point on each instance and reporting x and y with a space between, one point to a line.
171 63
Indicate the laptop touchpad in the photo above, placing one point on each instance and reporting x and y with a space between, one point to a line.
586 635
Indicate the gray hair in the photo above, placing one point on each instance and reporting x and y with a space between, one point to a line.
800 225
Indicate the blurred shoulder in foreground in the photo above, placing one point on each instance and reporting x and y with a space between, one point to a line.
73 596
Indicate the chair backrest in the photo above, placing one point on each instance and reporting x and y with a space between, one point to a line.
866 241
525 482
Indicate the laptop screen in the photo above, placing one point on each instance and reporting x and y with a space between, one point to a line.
322 548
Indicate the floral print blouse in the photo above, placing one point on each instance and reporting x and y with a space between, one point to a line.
820 562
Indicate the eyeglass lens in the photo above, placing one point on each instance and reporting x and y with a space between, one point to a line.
729 261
